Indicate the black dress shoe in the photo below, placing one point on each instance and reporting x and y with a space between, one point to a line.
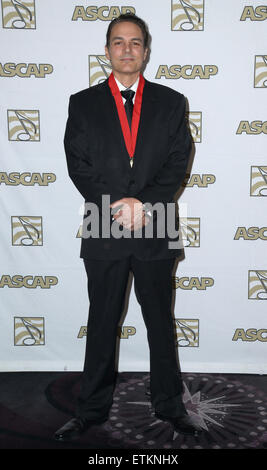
182 424
74 428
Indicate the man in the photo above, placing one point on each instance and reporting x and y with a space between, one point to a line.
136 162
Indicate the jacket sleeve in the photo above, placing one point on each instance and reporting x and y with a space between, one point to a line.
90 184
166 183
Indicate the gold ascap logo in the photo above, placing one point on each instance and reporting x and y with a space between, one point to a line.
260 71
201 181
27 230
18 14
22 70
253 128
187 15
23 126
99 69
103 13
30 282
251 13
188 72
251 334
190 231
26 178
187 283
257 285
194 119
187 332
123 332
258 181
29 331
80 231
251 233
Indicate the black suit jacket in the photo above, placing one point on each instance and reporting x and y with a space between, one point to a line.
98 162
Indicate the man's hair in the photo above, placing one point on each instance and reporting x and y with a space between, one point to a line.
132 18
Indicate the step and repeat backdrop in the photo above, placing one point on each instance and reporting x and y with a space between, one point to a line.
213 52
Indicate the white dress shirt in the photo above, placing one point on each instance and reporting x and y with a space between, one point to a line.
133 87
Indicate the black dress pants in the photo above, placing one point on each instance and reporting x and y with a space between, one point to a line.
107 284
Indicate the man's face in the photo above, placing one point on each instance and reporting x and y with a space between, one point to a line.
126 50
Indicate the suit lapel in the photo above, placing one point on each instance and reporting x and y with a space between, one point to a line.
148 112
112 121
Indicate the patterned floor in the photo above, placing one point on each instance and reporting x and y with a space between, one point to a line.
231 409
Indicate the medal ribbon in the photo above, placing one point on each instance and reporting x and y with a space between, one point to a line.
130 135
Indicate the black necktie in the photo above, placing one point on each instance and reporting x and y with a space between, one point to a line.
128 95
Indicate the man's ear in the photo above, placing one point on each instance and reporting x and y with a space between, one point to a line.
145 54
107 53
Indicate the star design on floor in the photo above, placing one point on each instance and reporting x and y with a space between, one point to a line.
201 411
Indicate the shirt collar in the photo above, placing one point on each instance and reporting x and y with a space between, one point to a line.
133 87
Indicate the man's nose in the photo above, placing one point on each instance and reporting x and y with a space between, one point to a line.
127 47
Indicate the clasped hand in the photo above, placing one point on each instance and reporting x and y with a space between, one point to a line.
129 213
